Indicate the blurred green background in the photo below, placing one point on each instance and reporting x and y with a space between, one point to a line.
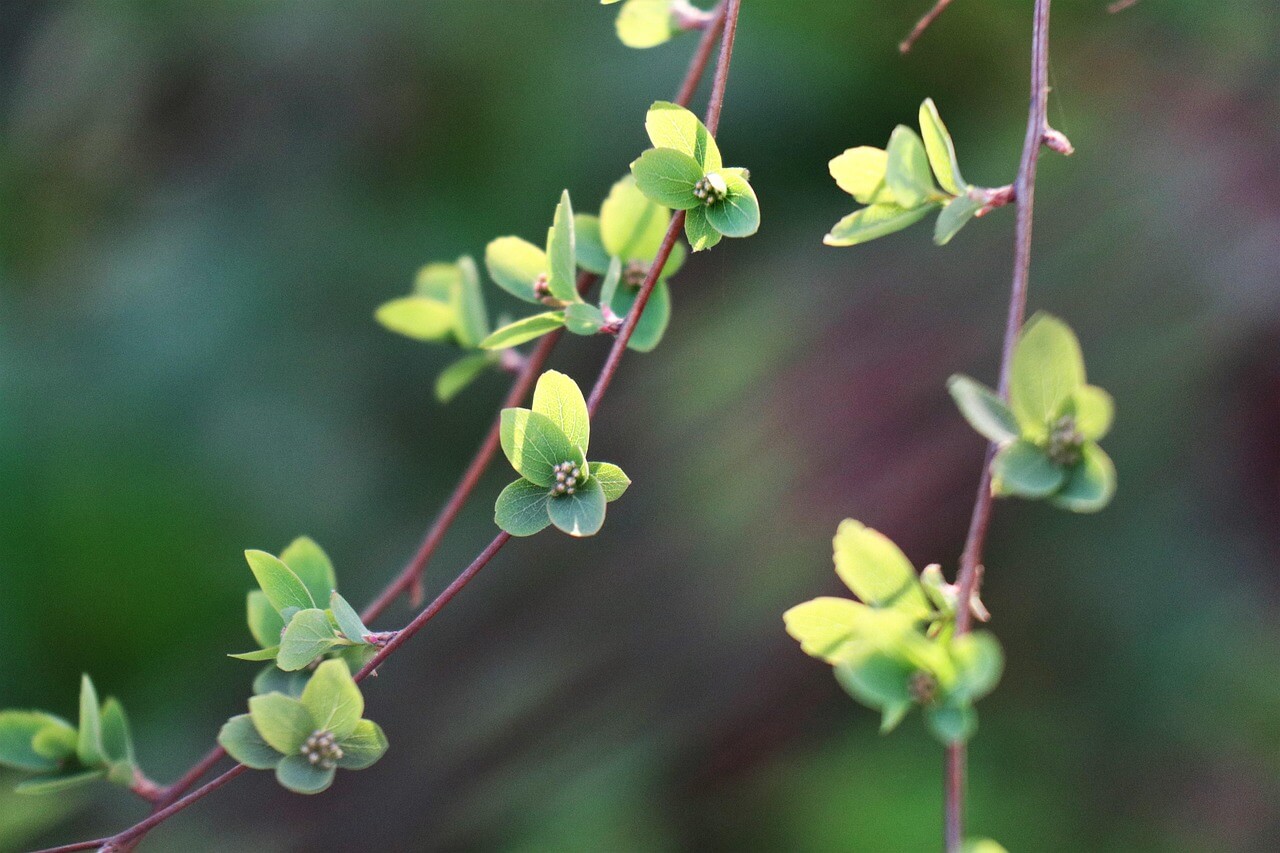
201 203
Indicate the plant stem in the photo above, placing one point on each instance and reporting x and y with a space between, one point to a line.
174 799
1024 192
923 24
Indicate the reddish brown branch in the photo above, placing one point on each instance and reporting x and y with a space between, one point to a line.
173 801
923 24
1038 131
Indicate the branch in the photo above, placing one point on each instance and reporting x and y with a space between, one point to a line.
923 24
127 838
410 577
1038 133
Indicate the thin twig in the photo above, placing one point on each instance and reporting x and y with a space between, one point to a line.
923 24
1024 191
128 837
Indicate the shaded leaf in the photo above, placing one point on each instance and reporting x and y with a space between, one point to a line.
698 229
653 322
1048 368
523 330
307 636
611 478
668 177
871 222
581 513
954 216
907 173
521 508
514 265
363 746
281 720
281 585
1023 469
561 253
984 411
296 774
1090 485
333 699
240 738
738 214
311 564
460 374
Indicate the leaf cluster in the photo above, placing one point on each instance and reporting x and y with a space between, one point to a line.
307 738
684 171
621 244
895 647
898 187
1049 430
298 617
547 446
63 756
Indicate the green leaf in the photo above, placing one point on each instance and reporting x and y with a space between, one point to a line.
473 317
240 738
876 570
535 445
265 623
283 721
272 679
524 330
1094 411
951 723
281 585
632 226
333 699
954 216
307 636
871 222
18 730
698 229
581 513
738 214
645 23
347 618
1023 469
117 742
269 653
583 319
824 625
892 714
296 774
460 374
89 742
559 398
983 845
860 172
418 317
592 255
667 177
311 564
672 126
514 265
878 680
611 478
609 286
907 174
653 322
56 741
1090 485
561 253
56 784
941 150
363 747
979 663
984 411
521 509
1048 368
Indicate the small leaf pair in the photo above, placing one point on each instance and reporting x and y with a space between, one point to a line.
65 756
308 738
891 650
297 616
548 448
684 171
621 244
897 184
446 306
1048 432
649 23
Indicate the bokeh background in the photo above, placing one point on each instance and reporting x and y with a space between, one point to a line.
201 203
